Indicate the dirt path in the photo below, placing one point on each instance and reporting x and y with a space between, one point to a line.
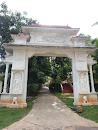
49 113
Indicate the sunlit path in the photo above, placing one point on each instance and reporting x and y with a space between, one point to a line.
49 113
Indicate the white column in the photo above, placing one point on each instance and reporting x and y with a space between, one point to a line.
0 86
92 81
75 81
6 77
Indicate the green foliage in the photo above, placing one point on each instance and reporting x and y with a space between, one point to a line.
44 65
88 36
2 68
95 55
64 98
61 67
38 69
10 22
90 112
32 88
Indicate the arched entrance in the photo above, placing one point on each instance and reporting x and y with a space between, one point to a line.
40 40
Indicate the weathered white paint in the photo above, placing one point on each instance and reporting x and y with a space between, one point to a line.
6 77
92 81
0 87
48 41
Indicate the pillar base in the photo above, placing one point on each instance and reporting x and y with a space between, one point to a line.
4 93
93 93
22 105
8 105
6 100
91 99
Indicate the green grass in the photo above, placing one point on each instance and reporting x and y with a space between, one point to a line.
89 112
11 115
64 98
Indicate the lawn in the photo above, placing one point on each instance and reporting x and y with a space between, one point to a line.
10 115
89 112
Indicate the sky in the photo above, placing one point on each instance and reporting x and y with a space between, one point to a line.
74 13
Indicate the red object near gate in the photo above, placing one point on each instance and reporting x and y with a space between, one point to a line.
67 88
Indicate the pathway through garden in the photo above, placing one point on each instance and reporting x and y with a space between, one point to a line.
49 113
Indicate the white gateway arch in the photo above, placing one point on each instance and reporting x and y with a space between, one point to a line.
42 40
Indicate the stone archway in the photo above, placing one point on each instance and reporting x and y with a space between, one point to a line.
40 40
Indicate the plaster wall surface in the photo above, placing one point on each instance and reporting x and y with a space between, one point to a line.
48 42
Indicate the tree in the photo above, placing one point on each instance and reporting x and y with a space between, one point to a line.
61 68
95 55
88 36
39 67
10 22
